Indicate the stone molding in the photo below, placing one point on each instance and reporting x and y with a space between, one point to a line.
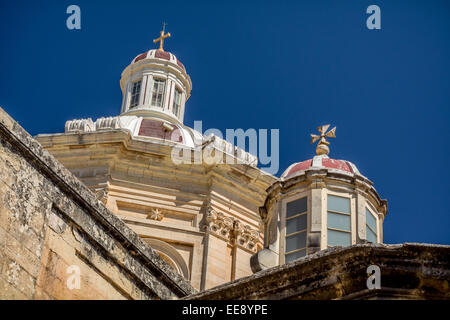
107 123
79 125
87 125
228 150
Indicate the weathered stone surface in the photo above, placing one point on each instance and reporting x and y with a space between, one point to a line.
50 221
408 271
137 179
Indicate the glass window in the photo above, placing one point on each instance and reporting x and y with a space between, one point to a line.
371 227
295 255
339 221
338 238
296 241
338 204
158 93
135 93
296 225
177 103
295 207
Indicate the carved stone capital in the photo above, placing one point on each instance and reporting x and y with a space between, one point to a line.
231 229
218 223
247 237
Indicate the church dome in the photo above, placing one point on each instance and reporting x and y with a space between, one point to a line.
320 162
158 54
317 204
155 84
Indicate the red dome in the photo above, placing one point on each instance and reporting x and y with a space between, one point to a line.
159 55
320 162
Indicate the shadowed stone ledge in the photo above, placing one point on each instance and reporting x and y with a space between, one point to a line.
408 271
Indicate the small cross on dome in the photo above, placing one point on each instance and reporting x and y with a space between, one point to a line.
322 146
162 37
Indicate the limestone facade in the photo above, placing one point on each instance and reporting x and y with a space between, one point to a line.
200 216
58 241
207 217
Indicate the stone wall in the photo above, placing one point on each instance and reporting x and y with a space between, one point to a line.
52 229
407 271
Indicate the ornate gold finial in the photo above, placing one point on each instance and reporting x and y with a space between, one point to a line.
162 37
322 146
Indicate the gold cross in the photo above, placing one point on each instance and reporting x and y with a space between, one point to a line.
162 37
322 146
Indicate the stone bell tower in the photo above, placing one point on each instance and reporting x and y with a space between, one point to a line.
317 204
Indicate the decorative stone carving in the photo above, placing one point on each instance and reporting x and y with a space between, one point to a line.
247 237
155 214
218 223
231 229
107 123
12 275
79 125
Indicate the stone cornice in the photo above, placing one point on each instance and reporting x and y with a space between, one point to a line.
163 226
152 147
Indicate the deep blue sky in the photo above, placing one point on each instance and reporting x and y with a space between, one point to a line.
292 65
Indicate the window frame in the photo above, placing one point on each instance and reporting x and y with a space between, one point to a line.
136 94
177 90
350 215
163 93
283 233
368 209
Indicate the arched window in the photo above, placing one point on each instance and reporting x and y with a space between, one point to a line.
170 255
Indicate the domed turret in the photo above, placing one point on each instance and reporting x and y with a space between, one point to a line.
317 204
156 84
